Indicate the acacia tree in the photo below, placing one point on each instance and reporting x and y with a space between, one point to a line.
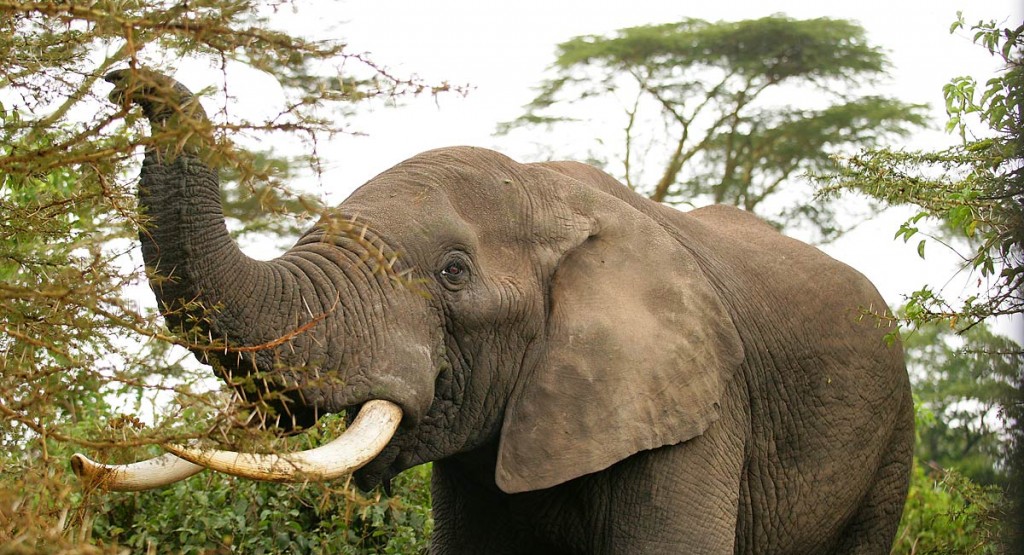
726 112
79 359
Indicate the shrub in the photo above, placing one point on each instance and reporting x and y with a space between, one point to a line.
947 513
213 513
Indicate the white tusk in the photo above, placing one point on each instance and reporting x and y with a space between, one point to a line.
153 473
361 443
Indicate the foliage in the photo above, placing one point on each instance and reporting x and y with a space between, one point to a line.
975 189
709 107
965 382
947 513
83 366
227 514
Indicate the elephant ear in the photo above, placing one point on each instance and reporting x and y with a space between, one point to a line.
638 351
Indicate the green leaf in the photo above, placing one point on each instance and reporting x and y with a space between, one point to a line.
952 123
906 231
920 248
971 228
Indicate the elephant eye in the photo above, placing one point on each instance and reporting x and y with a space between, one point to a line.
455 272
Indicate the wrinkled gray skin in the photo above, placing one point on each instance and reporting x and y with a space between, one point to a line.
590 371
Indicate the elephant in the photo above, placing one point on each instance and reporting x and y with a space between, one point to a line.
589 371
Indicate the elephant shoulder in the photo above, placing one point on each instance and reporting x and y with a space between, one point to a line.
745 245
738 235
732 220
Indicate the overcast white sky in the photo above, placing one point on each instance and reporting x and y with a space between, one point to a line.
501 49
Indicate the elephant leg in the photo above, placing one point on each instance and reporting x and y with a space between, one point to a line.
874 525
677 499
680 498
469 518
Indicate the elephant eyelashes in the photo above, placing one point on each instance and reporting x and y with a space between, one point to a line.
455 273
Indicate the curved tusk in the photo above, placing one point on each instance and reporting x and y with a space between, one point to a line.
364 439
152 473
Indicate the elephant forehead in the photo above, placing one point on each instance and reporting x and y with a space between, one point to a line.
459 201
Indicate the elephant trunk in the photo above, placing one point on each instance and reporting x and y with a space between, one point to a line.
203 282
267 317
210 293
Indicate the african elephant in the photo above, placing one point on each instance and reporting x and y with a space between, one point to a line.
590 371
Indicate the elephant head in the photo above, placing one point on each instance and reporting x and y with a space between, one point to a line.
531 308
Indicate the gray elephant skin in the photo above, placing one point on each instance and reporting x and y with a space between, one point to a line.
589 371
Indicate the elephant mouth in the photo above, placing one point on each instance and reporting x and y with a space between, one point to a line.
367 436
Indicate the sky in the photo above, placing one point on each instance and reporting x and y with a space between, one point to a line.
500 50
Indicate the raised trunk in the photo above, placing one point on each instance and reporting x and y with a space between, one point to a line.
209 291
306 324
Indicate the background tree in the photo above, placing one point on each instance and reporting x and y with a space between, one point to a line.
727 112
82 365
962 382
973 195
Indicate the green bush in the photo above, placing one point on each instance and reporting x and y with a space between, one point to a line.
947 513
214 513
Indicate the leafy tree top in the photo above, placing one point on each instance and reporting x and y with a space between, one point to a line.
703 117
770 49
